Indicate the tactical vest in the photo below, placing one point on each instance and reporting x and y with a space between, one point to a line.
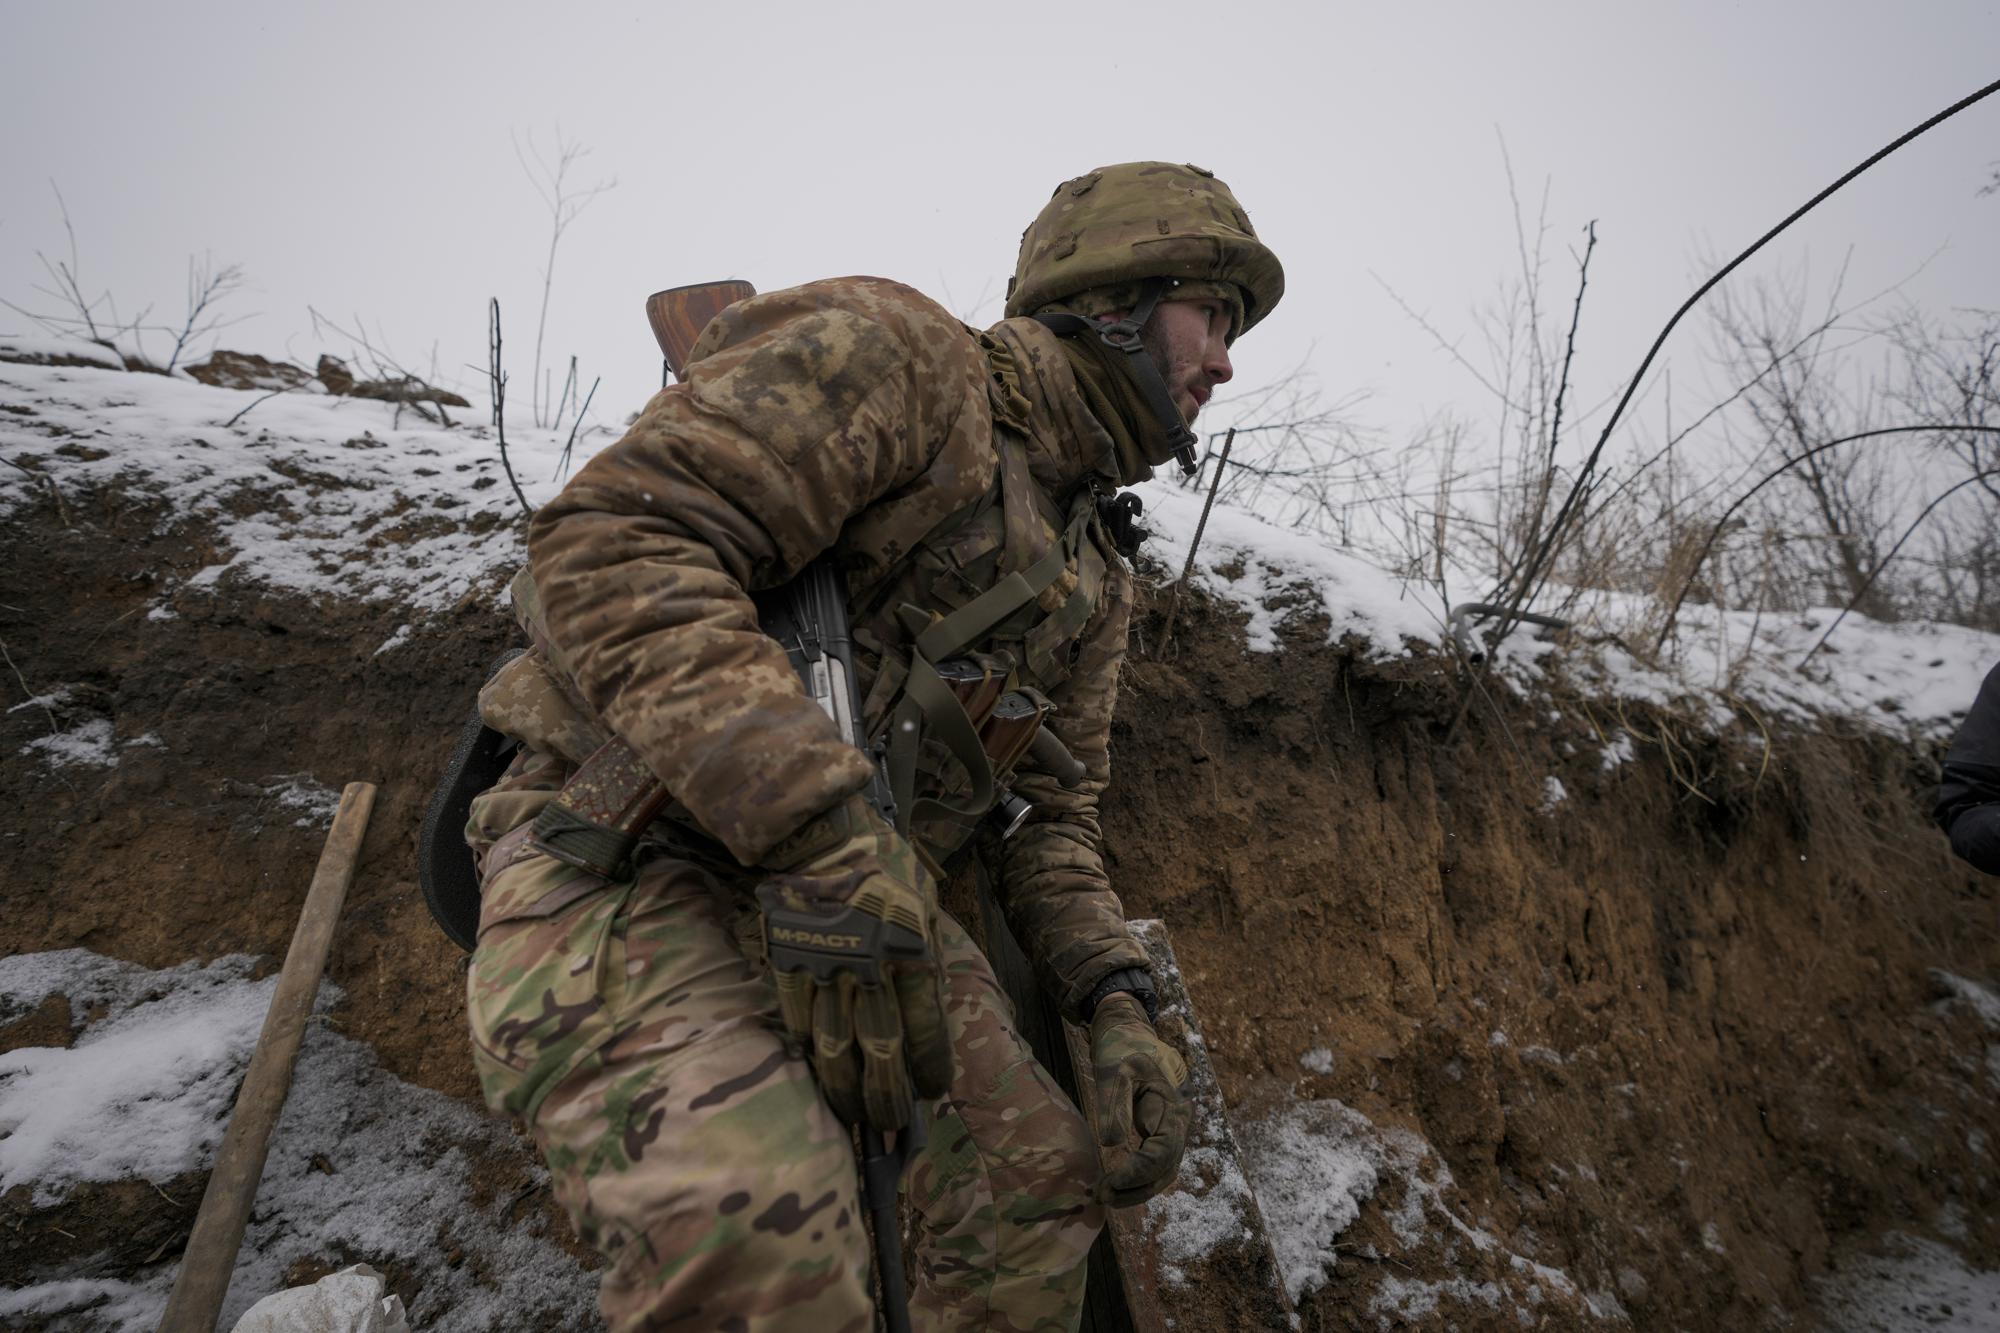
1008 584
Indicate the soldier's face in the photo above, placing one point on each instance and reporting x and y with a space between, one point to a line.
1189 340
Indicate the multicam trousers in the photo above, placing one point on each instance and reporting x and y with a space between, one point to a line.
633 1029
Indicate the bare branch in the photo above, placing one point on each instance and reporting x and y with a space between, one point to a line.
497 380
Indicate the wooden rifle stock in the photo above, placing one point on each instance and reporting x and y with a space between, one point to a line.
679 314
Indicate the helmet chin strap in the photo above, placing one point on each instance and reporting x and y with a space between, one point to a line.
1122 335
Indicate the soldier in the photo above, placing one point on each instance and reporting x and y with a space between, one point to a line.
1968 794
963 481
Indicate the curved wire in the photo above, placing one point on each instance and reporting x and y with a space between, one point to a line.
1771 476
1532 571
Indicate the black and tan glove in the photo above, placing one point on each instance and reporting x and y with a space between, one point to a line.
1142 1118
848 928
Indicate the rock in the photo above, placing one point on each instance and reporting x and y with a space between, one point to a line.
334 374
34 350
409 389
247 370
354 1300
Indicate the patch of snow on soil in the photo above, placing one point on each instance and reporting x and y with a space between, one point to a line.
1914 1284
1314 1165
88 744
1271 573
321 495
1915 678
1553 794
1204 1213
1318 1060
146 1091
316 805
1978 998
396 640
39 349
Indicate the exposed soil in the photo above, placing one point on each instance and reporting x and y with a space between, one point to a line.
1676 1037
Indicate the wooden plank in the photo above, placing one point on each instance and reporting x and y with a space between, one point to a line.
1037 1020
1202 1243
210 1258
1206 1235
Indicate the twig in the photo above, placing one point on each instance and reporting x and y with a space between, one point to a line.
497 378
550 182
253 402
1715 532
109 625
562 464
1562 387
1531 574
55 491
27 691
206 286
1883 563
1187 569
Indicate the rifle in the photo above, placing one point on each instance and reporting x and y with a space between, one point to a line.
809 617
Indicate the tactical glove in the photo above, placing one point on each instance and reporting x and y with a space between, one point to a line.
1142 1119
847 929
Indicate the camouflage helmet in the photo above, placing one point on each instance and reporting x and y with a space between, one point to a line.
1143 220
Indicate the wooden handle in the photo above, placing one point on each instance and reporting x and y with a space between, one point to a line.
203 1280
679 314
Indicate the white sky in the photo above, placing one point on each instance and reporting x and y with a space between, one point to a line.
357 157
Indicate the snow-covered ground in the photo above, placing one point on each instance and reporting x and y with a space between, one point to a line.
1914 1286
341 474
360 1163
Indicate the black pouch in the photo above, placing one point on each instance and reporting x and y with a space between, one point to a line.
444 863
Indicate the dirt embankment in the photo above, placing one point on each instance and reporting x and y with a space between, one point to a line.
1675 1034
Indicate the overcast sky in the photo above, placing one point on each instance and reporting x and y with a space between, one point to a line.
360 158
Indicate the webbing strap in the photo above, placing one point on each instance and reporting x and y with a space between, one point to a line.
1019 512
970 622
1046 639
930 706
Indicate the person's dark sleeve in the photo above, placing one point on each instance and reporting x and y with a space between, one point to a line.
1968 794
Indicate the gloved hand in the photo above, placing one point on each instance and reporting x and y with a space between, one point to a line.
847 929
1142 1119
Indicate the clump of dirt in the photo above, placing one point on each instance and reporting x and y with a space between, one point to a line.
1674 1033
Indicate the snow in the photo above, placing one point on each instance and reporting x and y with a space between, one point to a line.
315 804
1914 1284
30 347
1913 679
1204 1212
361 1164
359 502
1978 998
354 1300
1553 794
89 744
1312 1165
1318 1060
395 640
143 1092
1253 564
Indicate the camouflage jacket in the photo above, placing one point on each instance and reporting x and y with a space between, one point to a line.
852 415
